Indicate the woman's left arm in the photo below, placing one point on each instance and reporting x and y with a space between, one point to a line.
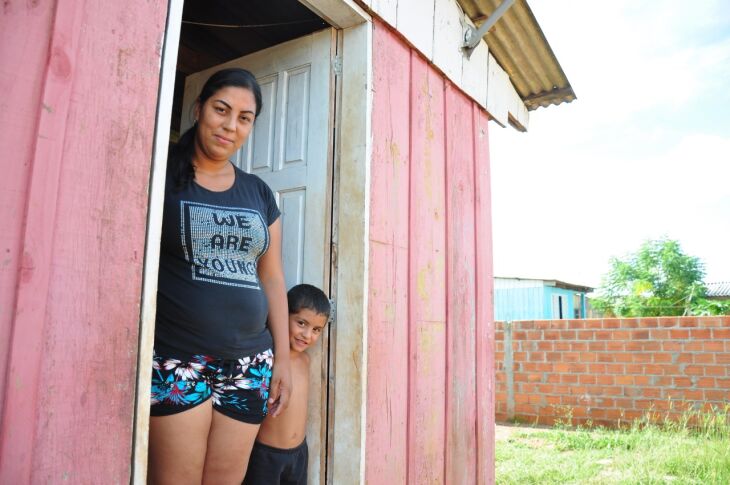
271 276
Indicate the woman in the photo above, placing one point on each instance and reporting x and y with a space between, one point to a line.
220 283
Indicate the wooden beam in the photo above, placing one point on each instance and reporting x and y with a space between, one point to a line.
338 13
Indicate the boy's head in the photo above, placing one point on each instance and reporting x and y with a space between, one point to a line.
309 310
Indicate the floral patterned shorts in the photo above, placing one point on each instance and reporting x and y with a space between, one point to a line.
239 387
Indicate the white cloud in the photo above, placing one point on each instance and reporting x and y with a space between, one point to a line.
561 213
632 56
644 152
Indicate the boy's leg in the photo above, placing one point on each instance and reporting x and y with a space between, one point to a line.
229 446
178 445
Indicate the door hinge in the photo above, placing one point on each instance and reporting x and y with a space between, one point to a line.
337 65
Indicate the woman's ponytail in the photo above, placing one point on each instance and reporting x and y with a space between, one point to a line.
180 161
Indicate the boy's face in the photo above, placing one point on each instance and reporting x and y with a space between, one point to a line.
305 327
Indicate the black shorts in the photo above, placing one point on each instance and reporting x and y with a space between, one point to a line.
239 387
271 466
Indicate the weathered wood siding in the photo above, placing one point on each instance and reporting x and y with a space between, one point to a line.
79 82
436 29
430 330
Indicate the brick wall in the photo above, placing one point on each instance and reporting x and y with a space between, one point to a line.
604 370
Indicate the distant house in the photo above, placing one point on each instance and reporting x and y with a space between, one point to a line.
536 299
718 291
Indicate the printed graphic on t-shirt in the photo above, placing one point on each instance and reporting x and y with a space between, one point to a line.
223 244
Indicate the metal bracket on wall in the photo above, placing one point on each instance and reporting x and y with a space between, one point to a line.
472 36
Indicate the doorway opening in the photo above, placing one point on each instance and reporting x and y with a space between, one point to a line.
289 49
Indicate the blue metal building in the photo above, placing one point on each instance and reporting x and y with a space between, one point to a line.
536 299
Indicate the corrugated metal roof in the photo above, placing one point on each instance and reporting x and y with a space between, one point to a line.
518 44
719 289
550 282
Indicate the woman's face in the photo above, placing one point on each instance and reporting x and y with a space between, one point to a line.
224 122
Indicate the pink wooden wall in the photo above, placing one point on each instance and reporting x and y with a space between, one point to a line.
78 82
430 405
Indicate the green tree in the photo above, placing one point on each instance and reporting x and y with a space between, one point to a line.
659 279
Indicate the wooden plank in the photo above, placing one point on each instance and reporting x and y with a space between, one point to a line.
349 360
427 277
386 10
102 215
484 301
342 14
497 92
519 117
460 237
152 243
415 23
74 348
25 33
22 401
386 445
475 74
448 36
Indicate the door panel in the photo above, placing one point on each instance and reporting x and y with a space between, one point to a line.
290 150
292 204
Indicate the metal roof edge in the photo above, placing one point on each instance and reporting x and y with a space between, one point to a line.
520 47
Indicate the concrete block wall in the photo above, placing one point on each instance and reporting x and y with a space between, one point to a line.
606 370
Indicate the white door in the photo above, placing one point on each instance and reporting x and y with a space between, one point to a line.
290 150
558 307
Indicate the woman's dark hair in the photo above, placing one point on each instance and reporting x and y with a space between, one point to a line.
309 297
180 161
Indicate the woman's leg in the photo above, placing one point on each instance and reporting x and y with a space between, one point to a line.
229 446
178 445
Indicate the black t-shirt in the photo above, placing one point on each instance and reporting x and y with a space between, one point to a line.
209 300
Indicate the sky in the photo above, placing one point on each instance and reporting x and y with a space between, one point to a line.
643 153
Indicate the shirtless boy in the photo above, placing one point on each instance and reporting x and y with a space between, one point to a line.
279 454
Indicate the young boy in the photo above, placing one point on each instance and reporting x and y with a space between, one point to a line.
279 455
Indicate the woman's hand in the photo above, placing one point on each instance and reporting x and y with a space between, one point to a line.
280 387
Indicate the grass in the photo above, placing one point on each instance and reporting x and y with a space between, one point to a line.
653 450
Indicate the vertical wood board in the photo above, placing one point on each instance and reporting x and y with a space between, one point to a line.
415 22
388 302
484 301
427 276
386 10
448 37
25 31
22 402
346 464
497 94
475 74
461 409
99 245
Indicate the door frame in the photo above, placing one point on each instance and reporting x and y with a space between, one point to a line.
148 303
350 209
